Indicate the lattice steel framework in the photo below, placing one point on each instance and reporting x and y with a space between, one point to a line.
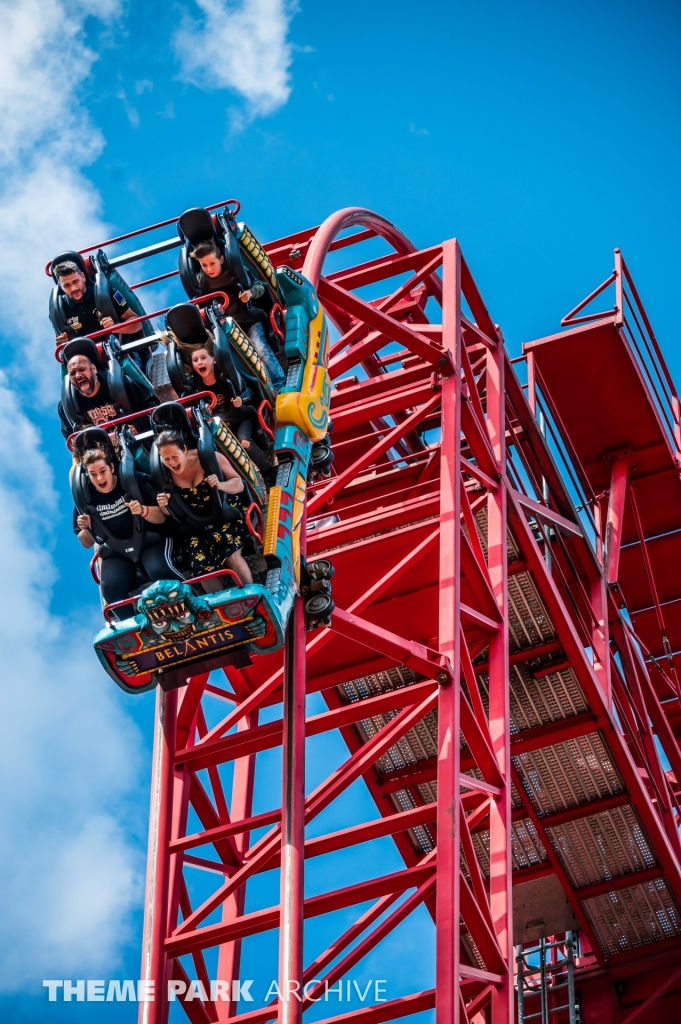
470 667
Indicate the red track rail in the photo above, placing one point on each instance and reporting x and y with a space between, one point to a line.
478 666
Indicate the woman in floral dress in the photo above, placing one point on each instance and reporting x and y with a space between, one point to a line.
212 547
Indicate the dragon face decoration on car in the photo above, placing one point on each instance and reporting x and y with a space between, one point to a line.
172 610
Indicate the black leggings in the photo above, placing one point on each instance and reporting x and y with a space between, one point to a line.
243 421
118 574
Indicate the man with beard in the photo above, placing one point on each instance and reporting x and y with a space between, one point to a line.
83 317
94 400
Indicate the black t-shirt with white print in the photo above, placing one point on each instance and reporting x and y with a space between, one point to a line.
113 511
98 408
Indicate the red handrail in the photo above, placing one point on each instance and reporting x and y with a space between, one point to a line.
262 408
188 399
276 309
153 280
140 319
142 231
253 507
212 575
93 568
118 604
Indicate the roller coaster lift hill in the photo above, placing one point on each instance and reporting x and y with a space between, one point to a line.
473 560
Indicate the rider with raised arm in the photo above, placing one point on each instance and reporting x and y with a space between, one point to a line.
213 277
123 528
212 547
95 402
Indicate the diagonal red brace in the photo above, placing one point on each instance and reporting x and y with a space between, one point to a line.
393 329
364 461
405 652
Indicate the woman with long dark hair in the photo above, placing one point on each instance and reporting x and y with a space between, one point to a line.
217 545
123 528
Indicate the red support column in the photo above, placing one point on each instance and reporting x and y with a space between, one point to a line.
229 956
293 821
154 959
501 883
613 526
448 1002
600 637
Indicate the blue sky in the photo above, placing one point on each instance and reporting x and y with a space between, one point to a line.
541 134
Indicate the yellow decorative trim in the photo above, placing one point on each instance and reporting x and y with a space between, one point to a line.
298 509
259 256
272 525
308 409
238 456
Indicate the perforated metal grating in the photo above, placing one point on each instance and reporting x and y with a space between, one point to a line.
528 623
602 846
633 917
527 849
568 774
419 744
549 698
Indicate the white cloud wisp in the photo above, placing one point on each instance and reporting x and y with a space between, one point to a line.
46 137
71 757
241 45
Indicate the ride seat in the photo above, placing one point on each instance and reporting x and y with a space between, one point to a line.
172 415
118 371
102 276
58 308
197 225
186 324
83 493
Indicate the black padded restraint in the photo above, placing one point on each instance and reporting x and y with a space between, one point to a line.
131 547
116 382
196 225
234 262
175 367
126 467
103 301
206 449
172 415
178 507
185 321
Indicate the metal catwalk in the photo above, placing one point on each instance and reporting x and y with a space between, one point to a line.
501 664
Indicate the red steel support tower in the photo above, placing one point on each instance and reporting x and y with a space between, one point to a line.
502 666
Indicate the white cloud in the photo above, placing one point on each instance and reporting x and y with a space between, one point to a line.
46 137
240 45
70 757
131 112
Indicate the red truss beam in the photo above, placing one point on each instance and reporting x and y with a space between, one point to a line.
459 582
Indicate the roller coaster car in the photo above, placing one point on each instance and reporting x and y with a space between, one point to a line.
175 632
105 280
245 259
